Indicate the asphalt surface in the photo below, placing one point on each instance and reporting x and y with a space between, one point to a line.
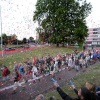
42 85
32 89
8 52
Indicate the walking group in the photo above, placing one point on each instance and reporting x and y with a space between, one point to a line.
33 68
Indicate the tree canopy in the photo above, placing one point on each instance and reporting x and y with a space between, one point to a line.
63 20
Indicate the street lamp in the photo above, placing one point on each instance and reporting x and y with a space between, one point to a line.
1 30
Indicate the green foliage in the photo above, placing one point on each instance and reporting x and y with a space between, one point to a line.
15 42
8 39
24 40
31 39
63 20
4 38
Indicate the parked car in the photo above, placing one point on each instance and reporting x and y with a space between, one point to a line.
8 48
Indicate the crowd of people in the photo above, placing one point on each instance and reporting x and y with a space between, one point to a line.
50 64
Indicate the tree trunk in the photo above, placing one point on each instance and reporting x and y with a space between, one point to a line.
80 44
57 44
63 44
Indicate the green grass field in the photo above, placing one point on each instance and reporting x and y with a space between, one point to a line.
92 75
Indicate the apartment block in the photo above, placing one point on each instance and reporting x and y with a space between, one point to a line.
93 38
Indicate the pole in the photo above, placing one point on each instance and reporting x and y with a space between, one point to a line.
1 30
17 43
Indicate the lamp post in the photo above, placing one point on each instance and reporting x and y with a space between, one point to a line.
1 30
17 43
17 36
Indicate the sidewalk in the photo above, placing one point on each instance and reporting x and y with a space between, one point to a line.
43 85
5 52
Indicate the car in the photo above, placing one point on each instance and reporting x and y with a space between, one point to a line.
9 48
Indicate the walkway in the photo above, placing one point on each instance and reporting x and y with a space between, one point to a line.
42 85
5 52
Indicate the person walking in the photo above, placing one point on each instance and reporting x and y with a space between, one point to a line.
5 73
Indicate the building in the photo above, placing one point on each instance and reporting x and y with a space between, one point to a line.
93 38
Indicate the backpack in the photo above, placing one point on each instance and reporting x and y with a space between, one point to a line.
8 72
22 70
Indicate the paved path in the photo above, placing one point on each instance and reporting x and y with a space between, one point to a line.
42 85
5 52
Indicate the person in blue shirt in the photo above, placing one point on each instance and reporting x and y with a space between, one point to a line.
21 69
22 72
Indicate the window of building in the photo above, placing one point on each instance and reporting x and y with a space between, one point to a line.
94 35
98 29
95 32
98 43
94 42
95 39
95 29
98 32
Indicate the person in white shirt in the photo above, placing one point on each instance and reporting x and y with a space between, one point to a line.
34 72
56 65
69 63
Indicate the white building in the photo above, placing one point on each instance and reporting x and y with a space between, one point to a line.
93 37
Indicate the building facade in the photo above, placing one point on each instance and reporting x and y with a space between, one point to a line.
93 38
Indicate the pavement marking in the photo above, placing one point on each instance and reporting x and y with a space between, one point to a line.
20 84
63 68
7 88
30 80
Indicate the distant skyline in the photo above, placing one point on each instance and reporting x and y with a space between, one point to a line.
17 17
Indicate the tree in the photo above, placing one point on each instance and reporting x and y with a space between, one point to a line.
24 40
62 19
13 37
31 39
8 40
4 38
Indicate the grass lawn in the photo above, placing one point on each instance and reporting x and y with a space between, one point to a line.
92 75
38 52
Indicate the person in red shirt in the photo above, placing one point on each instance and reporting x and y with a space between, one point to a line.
4 73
